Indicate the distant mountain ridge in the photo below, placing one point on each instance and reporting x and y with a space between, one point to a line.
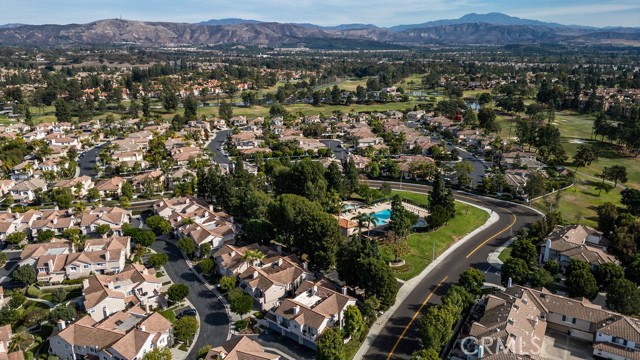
471 29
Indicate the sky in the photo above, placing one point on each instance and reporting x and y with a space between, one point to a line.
321 12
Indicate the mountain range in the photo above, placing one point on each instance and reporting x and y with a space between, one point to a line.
489 29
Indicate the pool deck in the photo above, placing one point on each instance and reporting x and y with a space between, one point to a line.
421 212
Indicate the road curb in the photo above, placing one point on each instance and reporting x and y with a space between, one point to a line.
410 285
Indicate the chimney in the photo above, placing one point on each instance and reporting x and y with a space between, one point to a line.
141 327
62 325
85 283
279 261
110 285
146 308
211 208
54 220
547 249
305 265
255 274
105 312
344 290
314 289
50 265
296 309
9 210
480 352
279 249
106 255
509 283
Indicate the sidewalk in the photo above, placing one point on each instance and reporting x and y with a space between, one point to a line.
493 258
411 284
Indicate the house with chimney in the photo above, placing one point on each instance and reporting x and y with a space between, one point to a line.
114 217
578 242
25 191
315 307
230 259
240 348
125 335
201 224
111 187
135 285
272 278
516 320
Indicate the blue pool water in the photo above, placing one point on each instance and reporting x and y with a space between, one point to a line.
382 217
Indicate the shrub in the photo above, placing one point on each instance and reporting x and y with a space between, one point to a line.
178 292
241 325
34 292
58 295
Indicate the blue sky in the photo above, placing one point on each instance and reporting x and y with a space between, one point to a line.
322 12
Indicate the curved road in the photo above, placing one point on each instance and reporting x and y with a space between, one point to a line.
214 322
399 338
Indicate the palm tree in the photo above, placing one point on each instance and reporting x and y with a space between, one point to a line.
251 256
370 219
362 220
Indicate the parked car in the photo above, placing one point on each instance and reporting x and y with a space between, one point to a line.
188 312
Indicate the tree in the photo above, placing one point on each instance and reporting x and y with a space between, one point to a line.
185 328
617 174
370 308
45 235
187 246
425 354
377 279
353 322
169 98
585 155
141 236
442 206
225 111
3 258
158 225
17 299
93 194
240 302
63 197
205 250
103 229
127 190
177 292
227 283
190 105
606 273
623 296
206 266
536 185
525 250
472 280
581 282
158 354
63 110
632 271
436 326
25 274
484 99
516 269
58 295
8 316
16 237
66 313
487 120
330 345
158 260
400 221
603 186
631 199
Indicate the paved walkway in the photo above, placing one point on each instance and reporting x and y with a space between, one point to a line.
493 258
410 285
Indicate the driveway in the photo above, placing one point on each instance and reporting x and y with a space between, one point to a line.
88 161
214 322
336 148
217 145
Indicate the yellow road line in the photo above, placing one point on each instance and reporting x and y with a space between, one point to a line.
494 236
415 316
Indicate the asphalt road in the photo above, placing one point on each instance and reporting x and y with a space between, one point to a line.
478 165
336 148
217 144
400 338
88 161
214 322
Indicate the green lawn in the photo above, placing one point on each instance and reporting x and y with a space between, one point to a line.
579 203
169 315
467 219
505 254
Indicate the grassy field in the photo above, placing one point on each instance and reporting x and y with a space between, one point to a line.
505 254
467 219
579 203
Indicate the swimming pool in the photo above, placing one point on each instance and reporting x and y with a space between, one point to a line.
382 217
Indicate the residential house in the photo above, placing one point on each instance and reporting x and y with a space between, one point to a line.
54 220
5 185
5 342
577 242
230 258
271 279
104 295
111 187
79 186
520 159
520 317
115 217
240 348
122 336
347 227
314 308
182 155
145 181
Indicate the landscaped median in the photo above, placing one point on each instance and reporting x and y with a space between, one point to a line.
421 245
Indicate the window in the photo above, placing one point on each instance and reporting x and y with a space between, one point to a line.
73 268
86 266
